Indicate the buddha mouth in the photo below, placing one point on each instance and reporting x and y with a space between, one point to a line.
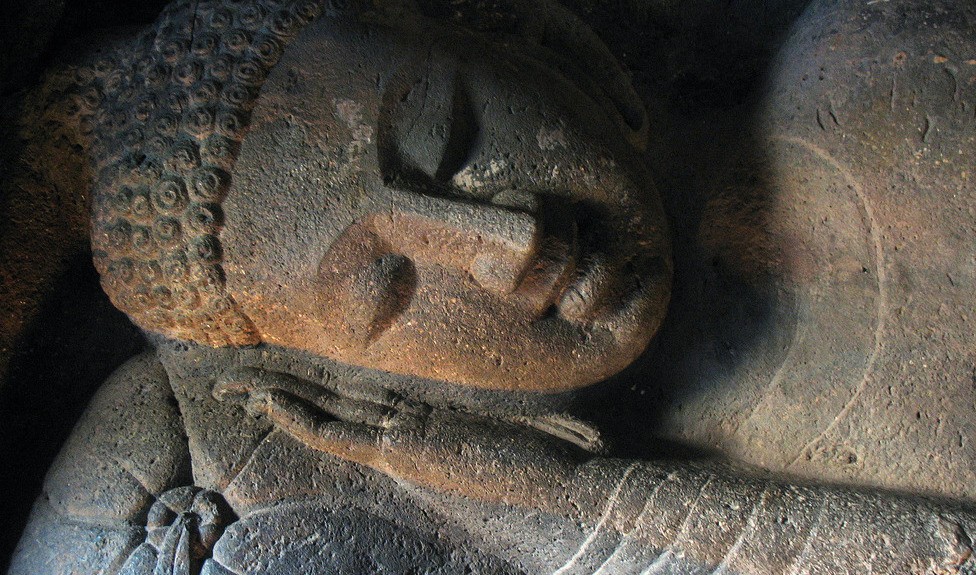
577 273
566 271
595 281
553 265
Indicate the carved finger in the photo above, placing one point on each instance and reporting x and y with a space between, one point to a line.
183 557
240 382
366 392
311 426
355 411
233 385
370 406
174 555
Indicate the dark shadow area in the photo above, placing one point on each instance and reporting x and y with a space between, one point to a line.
33 32
74 338
76 341
700 68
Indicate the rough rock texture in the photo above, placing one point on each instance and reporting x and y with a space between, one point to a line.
823 241
822 316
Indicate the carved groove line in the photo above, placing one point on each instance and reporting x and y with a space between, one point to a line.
611 503
882 307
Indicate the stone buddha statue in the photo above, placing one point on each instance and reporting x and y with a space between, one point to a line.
376 248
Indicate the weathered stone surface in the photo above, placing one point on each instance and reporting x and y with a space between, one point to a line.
838 342
380 251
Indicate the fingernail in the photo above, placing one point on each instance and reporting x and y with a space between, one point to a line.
258 402
233 384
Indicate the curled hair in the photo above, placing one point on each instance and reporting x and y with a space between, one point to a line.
176 112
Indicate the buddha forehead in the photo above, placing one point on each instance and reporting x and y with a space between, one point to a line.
431 205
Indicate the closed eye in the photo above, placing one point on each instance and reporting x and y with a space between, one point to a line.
428 130
462 137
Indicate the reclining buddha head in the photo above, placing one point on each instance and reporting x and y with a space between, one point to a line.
408 194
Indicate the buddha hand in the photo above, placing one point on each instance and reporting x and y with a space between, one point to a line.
447 450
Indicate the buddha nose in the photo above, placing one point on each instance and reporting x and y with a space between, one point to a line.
496 244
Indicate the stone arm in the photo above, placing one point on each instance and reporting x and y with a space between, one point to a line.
119 497
630 516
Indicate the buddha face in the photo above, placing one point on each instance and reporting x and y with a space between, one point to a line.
429 205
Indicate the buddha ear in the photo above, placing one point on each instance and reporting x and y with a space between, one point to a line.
428 127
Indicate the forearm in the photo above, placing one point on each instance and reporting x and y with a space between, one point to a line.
658 517
536 501
616 517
